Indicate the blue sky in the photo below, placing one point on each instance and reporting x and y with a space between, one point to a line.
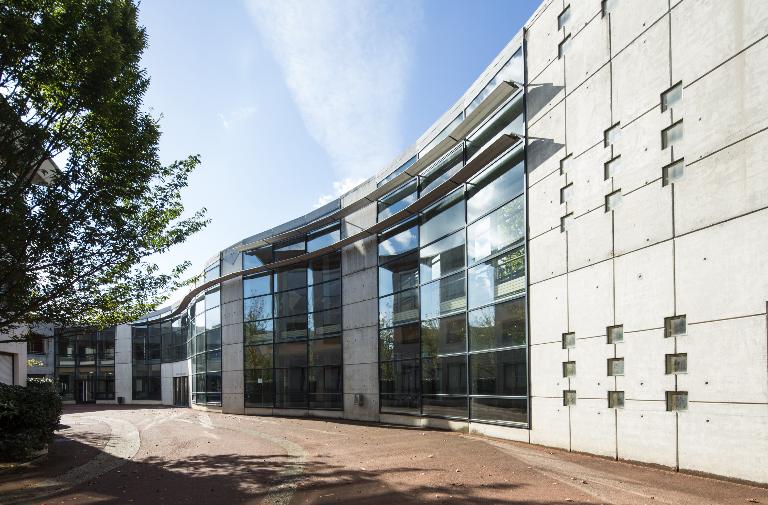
289 102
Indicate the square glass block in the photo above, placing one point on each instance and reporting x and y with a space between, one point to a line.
569 398
611 166
673 172
672 134
615 366
611 134
569 368
569 340
566 221
674 326
566 193
672 96
608 6
565 164
615 334
563 46
677 401
676 363
613 200
563 18
615 399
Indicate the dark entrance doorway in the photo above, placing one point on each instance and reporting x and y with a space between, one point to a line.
181 391
85 390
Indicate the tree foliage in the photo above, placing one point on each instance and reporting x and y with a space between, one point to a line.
74 250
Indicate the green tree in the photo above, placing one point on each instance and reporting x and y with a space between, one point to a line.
74 242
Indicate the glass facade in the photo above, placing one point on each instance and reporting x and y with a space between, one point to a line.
292 326
85 364
204 344
452 288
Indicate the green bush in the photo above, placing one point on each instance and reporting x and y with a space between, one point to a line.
28 418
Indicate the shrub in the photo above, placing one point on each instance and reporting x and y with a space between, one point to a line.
28 418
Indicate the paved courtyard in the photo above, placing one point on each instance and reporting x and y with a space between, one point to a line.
169 455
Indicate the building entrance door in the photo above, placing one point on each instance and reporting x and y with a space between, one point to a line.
181 391
85 390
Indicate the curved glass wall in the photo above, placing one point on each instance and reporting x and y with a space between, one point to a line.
85 364
292 326
452 289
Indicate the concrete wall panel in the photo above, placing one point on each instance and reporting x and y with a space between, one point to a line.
542 39
645 377
696 49
550 422
644 288
587 173
590 296
726 361
644 218
630 19
589 239
593 427
591 379
544 208
548 310
588 112
547 255
547 370
544 91
546 144
721 271
587 53
646 433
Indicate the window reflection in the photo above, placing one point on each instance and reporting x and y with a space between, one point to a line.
496 231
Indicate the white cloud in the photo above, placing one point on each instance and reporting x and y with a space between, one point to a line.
236 116
346 63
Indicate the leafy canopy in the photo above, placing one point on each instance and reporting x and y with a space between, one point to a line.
74 243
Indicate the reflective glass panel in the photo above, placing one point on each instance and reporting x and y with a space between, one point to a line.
255 286
443 296
400 239
500 373
498 278
257 257
257 308
496 231
513 410
397 200
291 303
442 170
497 184
444 336
322 324
325 352
257 332
501 325
291 328
444 375
325 296
290 278
399 274
325 268
442 257
289 250
399 308
291 355
401 342
323 238
510 119
443 218
258 356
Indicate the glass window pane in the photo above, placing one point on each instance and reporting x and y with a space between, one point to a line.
258 332
325 268
501 325
322 324
213 361
289 355
399 274
213 339
323 238
259 388
399 343
501 373
212 318
257 308
212 299
291 303
397 171
325 296
444 406
255 286
443 297
496 279
291 387
442 257
257 257
445 375
400 239
497 184
397 200
442 135
291 328
442 170
211 273
513 70
325 388
258 356
499 409
290 278
399 308
325 352
399 386
443 218
496 231
510 119
444 336
289 250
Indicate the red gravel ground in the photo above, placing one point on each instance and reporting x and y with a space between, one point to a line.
186 456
